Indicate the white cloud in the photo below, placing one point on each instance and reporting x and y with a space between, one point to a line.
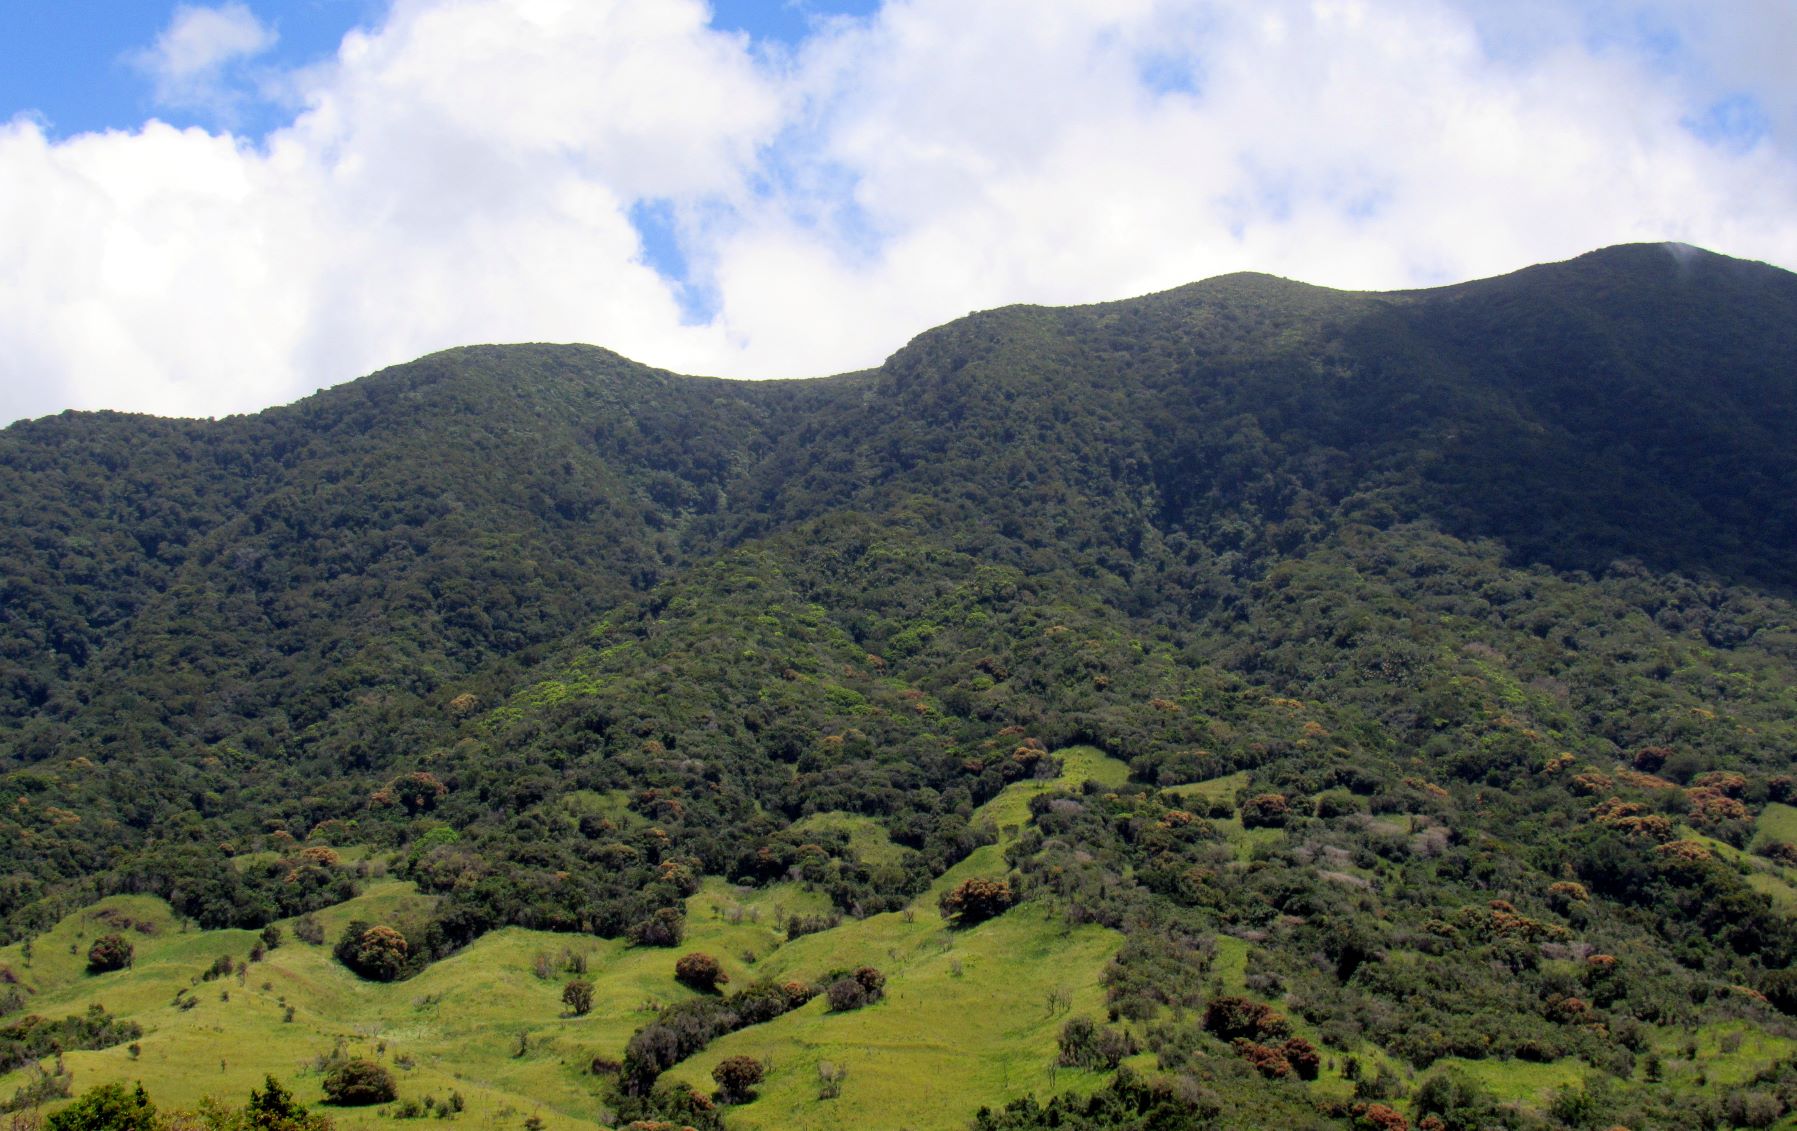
189 60
466 172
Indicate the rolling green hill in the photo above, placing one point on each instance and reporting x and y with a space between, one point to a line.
1419 666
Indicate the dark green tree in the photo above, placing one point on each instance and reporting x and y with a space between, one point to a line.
355 1083
109 952
577 995
109 1107
736 1077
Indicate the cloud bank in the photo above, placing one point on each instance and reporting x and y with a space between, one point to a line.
623 173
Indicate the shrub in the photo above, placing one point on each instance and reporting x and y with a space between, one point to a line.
799 926
275 1109
577 995
308 929
1086 1044
852 991
1269 1062
701 972
1780 989
664 928
1268 810
1458 1101
356 1083
845 994
109 952
108 1107
376 953
1232 1017
1302 1055
975 901
737 1077
1338 803
418 792
1377 1117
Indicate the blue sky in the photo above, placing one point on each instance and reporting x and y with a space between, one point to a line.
71 63
215 206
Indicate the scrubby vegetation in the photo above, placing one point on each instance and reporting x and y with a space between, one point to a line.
1435 650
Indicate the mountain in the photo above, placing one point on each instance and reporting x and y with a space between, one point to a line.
1447 637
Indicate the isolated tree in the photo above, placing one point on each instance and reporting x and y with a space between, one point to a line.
737 1077
109 952
701 972
376 953
577 995
359 1082
975 901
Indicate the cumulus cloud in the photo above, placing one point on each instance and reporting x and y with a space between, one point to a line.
471 171
189 61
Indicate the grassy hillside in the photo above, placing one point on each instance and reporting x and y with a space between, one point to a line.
968 1015
1422 666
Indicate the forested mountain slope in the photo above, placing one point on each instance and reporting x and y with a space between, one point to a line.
1447 635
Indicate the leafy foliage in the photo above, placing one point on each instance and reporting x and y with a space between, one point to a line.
109 952
31 1037
1446 635
357 1082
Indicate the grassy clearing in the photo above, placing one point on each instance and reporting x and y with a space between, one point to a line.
1519 1081
481 1023
1216 789
1728 1054
967 1019
970 1017
1776 822
867 837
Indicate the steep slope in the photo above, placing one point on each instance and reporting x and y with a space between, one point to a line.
1455 626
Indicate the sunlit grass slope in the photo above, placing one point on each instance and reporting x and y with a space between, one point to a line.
970 1017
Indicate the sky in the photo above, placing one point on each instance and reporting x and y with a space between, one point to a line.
208 208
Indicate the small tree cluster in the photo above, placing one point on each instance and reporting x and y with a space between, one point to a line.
700 971
1266 811
683 1029
376 953
107 1108
274 1109
1296 1057
419 792
357 1083
109 952
852 991
1231 1017
1087 1044
667 927
975 901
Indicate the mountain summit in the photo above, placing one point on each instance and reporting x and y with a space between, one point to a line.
1422 648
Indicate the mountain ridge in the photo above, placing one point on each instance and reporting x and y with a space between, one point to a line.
1463 594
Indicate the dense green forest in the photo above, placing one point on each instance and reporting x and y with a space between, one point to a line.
1447 636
